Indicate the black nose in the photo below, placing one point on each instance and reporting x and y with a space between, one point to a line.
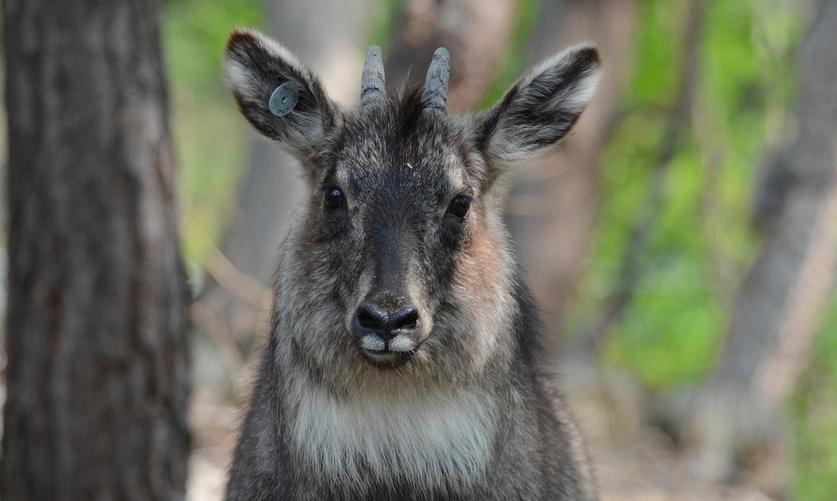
370 319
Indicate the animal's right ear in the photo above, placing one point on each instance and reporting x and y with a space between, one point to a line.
277 94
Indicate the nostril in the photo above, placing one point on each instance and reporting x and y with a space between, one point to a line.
371 318
405 318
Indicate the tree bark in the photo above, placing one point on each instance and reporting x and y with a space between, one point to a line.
97 369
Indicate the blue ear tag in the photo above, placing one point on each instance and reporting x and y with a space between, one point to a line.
283 99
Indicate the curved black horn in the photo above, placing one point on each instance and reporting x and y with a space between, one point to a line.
372 87
435 94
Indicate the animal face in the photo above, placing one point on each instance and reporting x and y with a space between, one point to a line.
399 265
397 197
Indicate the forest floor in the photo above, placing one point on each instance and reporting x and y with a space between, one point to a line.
634 461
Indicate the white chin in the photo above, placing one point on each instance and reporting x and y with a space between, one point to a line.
392 353
398 345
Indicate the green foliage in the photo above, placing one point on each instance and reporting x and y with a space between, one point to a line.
194 34
700 241
384 19
208 130
813 414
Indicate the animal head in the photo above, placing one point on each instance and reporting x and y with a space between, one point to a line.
398 263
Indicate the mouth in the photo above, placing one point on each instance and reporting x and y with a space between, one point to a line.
387 353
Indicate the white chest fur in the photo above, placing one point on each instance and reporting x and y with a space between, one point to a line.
408 436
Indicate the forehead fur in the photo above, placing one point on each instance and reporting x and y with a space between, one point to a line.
400 134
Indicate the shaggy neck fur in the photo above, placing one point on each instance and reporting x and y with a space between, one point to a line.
411 437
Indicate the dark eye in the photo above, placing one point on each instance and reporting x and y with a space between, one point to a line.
333 198
459 206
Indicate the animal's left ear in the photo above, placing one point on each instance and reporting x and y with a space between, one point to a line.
539 109
280 97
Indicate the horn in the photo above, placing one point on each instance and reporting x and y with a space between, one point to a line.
435 94
372 87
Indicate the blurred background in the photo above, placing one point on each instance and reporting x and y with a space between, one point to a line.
682 241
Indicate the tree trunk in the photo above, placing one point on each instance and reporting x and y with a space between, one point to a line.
97 369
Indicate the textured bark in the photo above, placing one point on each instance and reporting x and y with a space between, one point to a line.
474 32
97 369
553 208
